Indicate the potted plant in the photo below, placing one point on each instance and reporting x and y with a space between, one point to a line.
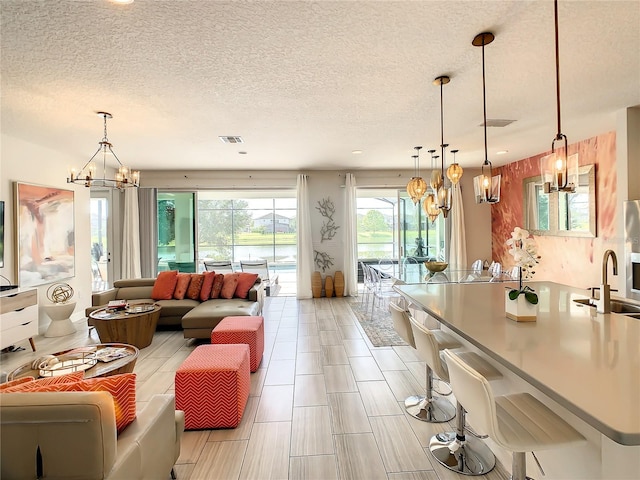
520 303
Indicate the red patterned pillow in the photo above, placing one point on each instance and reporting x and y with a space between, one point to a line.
217 285
165 285
207 284
44 382
13 383
182 284
121 387
245 282
229 285
195 285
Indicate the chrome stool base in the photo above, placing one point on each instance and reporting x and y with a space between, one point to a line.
467 457
436 410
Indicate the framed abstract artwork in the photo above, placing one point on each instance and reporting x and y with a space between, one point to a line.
45 234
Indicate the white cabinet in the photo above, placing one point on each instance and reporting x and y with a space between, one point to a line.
18 316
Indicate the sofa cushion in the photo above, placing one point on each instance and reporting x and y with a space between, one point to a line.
208 314
207 285
245 282
173 308
182 285
229 285
195 285
216 288
165 285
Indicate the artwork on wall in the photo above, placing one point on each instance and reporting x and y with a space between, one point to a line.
45 234
327 209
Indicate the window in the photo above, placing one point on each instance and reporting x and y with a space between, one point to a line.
376 223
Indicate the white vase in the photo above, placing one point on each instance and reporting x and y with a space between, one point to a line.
519 309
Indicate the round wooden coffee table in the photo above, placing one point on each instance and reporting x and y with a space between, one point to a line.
134 325
124 364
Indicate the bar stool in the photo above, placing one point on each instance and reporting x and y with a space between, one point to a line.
454 450
426 408
516 422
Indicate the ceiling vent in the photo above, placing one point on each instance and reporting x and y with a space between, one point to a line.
496 122
231 139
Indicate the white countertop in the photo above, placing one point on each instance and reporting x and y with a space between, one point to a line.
587 362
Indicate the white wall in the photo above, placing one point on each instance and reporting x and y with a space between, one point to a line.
25 162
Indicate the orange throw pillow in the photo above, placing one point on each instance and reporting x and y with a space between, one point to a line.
229 285
164 285
121 387
245 282
182 284
16 382
216 288
34 385
207 285
195 285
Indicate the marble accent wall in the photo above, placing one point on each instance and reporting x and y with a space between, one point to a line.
569 260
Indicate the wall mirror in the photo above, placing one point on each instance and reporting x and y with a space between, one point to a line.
561 213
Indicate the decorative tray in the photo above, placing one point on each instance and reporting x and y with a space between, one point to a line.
67 363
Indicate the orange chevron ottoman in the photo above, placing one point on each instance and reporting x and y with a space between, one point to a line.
212 386
244 329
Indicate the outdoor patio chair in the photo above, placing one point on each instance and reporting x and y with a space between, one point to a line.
218 266
261 267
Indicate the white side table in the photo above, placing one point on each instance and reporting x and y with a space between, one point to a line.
60 322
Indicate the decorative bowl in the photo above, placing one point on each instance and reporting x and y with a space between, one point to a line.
434 267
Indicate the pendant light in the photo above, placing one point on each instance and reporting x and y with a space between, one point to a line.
429 205
417 187
123 177
454 172
485 186
559 171
443 195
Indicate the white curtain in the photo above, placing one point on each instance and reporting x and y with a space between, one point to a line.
131 235
350 238
305 242
457 243
148 206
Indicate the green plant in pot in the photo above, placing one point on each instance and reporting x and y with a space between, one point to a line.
524 250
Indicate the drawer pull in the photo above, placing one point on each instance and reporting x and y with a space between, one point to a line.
19 309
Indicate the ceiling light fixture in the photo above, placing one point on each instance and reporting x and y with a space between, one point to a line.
429 205
486 186
559 171
443 195
454 172
417 187
123 178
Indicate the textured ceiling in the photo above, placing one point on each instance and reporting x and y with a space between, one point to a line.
306 83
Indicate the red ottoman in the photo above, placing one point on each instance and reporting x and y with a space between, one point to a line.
212 386
244 329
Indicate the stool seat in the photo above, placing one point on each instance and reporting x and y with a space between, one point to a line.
212 386
242 329
517 422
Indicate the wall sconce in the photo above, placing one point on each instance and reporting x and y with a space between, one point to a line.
559 171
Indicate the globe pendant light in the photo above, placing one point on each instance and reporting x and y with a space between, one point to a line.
485 186
559 171
429 205
435 179
417 187
443 196
454 172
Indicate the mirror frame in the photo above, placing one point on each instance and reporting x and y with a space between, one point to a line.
554 204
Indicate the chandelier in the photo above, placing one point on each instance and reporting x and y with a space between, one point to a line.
87 175
559 171
417 187
443 194
486 187
429 205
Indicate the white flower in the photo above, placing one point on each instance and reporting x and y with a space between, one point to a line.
524 251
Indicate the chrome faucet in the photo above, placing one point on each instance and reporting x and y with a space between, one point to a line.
603 302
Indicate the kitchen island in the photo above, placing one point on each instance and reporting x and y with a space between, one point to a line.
588 363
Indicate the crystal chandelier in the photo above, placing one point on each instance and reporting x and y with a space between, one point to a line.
87 175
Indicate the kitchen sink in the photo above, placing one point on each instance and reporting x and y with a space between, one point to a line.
617 306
